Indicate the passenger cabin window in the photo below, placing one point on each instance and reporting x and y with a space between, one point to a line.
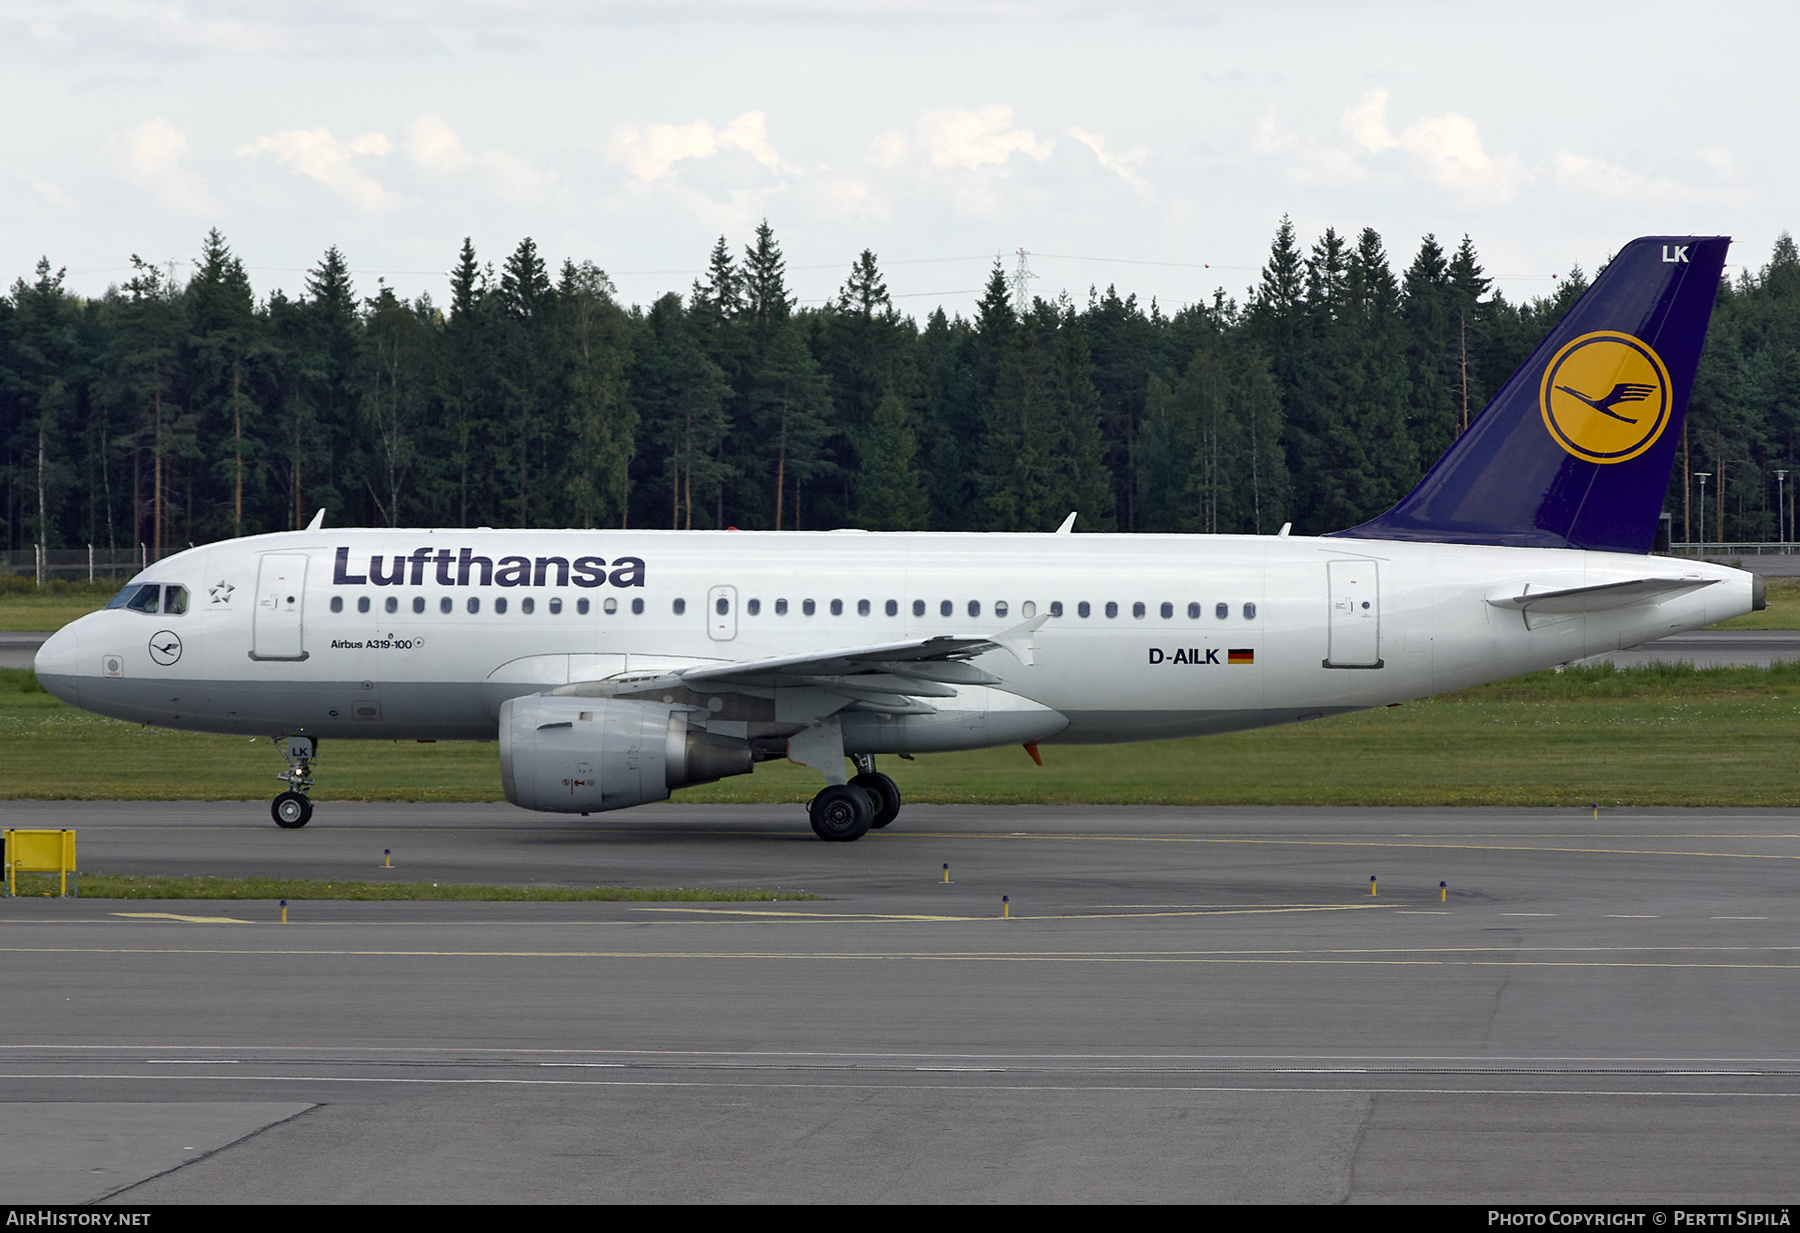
1222 611
362 604
500 606
392 605
1000 608
1084 609
918 607
946 608
445 604
1028 609
1193 612
582 606
753 606
1056 607
837 607
637 607
1249 612
337 603
723 606
781 607
528 605
1112 609
556 606
1168 611
418 603
808 607
893 607
974 607
609 606
680 606
474 605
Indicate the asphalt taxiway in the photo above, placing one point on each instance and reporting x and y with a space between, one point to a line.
1185 1004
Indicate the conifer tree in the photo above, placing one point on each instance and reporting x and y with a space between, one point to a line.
890 496
601 420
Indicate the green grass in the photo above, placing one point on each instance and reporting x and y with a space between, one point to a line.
24 606
127 886
1657 735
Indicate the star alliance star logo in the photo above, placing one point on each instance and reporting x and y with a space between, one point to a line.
221 592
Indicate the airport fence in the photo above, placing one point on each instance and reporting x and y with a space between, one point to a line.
1713 549
87 564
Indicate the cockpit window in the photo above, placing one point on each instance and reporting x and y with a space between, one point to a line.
148 599
123 597
175 600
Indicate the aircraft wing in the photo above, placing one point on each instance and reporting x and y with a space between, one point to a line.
1600 598
890 677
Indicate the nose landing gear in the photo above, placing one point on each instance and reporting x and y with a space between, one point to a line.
293 809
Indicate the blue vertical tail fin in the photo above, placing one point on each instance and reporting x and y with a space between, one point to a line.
1575 450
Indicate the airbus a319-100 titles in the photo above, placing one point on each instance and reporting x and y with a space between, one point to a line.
614 666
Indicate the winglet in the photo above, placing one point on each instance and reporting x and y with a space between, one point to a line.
318 520
1068 524
1018 641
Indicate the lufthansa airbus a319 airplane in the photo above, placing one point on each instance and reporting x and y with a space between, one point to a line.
616 665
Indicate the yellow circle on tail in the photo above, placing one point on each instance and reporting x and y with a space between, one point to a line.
1606 397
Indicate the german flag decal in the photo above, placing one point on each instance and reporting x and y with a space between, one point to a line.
1243 655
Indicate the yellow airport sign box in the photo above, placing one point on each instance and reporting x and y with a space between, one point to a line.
40 852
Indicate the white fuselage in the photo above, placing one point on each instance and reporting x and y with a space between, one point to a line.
292 634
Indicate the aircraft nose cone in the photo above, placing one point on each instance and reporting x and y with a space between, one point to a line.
58 664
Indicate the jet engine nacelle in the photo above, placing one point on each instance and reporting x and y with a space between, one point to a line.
584 755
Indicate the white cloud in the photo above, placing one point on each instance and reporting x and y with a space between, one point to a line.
1446 149
317 154
1367 123
1271 138
651 153
432 144
1122 165
1308 162
154 155
972 139
1598 178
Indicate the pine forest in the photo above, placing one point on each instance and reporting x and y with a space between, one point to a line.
166 414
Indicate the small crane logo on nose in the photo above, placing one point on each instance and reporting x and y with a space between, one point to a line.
165 648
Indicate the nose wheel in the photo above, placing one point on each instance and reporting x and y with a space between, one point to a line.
290 810
293 809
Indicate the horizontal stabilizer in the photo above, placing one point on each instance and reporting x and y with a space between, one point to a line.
1601 598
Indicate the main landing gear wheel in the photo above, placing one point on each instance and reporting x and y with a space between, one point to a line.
884 797
290 810
841 813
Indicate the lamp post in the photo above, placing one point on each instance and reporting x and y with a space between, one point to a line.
1703 476
1781 508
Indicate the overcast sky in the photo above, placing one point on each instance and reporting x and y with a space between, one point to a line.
1132 144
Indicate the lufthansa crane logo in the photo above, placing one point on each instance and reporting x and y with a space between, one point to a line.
1606 397
165 648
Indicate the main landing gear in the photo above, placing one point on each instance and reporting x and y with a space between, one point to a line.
846 811
293 809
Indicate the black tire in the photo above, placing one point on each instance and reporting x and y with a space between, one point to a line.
884 797
291 810
841 813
